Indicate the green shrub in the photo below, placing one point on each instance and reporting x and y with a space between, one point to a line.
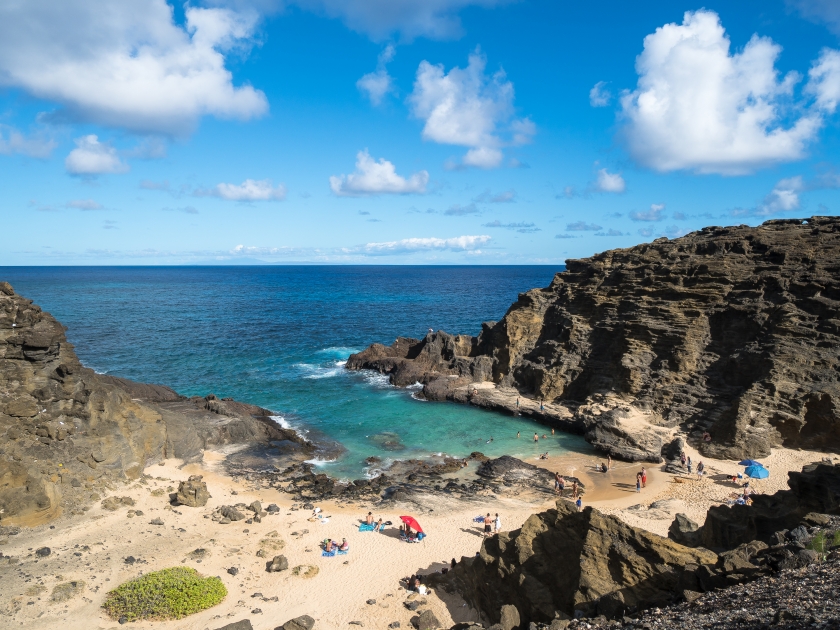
167 594
818 544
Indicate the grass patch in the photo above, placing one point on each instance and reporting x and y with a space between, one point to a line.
305 571
168 594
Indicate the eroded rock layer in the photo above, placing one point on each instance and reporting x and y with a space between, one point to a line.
65 430
732 331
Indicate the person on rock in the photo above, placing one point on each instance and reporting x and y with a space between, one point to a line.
559 484
579 504
574 490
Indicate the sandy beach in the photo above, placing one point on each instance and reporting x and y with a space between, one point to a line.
93 548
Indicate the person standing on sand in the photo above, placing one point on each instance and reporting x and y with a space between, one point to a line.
638 482
689 465
488 525
682 458
574 489
517 403
497 524
557 479
644 477
609 461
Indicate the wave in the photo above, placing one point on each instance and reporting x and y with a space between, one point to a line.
376 379
317 461
321 371
338 351
284 424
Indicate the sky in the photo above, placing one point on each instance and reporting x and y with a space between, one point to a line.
406 131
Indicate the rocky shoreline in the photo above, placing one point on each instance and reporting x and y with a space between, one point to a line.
695 336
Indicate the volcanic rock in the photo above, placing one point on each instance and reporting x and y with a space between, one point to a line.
192 492
697 332
304 622
569 562
684 531
279 563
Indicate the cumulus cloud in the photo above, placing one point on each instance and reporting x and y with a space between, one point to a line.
507 196
13 141
582 226
697 106
377 84
84 204
610 232
783 198
458 210
678 216
824 80
599 96
127 64
92 157
374 178
249 190
406 245
609 182
465 107
646 231
654 214
379 19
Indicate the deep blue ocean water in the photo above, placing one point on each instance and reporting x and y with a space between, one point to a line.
277 336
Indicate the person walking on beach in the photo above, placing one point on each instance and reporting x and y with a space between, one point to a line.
497 524
644 477
689 465
682 458
488 525
638 482
609 461
558 483
700 468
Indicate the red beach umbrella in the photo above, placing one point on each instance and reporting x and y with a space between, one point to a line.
412 523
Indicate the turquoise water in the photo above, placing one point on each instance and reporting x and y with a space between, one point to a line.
278 337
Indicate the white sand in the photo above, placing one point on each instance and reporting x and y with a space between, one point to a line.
338 593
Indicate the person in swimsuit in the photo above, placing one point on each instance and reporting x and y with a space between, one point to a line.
574 490
536 438
557 481
517 435
378 526
638 482
644 477
344 546
609 461
488 525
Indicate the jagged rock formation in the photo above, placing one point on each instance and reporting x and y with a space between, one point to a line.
564 562
64 429
732 331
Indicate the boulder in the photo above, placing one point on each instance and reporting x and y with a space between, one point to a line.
562 562
244 624
509 618
426 620
684 531
278 563
304 622
192 492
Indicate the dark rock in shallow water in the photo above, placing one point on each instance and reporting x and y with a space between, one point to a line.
696 332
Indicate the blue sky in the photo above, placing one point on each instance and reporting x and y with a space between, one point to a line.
406 131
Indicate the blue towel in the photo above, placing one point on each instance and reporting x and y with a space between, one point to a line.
328 553
343 553
364 527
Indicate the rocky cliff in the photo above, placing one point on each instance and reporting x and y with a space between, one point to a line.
65 430
732 331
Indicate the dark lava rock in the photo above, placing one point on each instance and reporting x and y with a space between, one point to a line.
244 624
583 563
718 316
130 560
279 563
233 571
43 552
304 622
272 509
156 521
426 620
684 531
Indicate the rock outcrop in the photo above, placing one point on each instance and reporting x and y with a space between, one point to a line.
64 429
732 331
565 563
192 492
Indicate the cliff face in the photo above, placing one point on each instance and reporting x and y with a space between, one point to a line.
65 430
734 331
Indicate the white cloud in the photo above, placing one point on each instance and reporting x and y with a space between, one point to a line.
507 196
610 232
610 182
249 190
92 157
437 19
379 83
372 178
465 107
127 64
520 226
13 141
582 226
698 107
458 243
460 211
824 80
783 198
599 96
654 214
84 204
820 11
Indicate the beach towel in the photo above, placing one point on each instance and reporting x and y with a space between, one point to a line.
364 527
343 553
478 519
329 554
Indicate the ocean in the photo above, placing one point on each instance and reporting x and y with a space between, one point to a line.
278 336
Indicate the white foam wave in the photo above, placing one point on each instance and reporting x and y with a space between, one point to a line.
377 380
284 424
342 351
317 461
320 371
417 396
415 385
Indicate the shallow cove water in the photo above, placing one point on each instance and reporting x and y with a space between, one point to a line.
278 336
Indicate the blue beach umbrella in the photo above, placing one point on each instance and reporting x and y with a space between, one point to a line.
757 472
750 462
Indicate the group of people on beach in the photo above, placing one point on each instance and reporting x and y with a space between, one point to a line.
376 526
641 479
491 524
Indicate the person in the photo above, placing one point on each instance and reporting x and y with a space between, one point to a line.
344 546
454 563
369 518
378 526
497 523
544 455
542 406
688 464
700 468
517 402
558 483
644 477
544 436
682 458
579 504
707 437
574 489
536 438
517 435
603 467
638 482
333 545
488 525
552 430
609 461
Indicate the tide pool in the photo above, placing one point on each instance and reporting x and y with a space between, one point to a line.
278 337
